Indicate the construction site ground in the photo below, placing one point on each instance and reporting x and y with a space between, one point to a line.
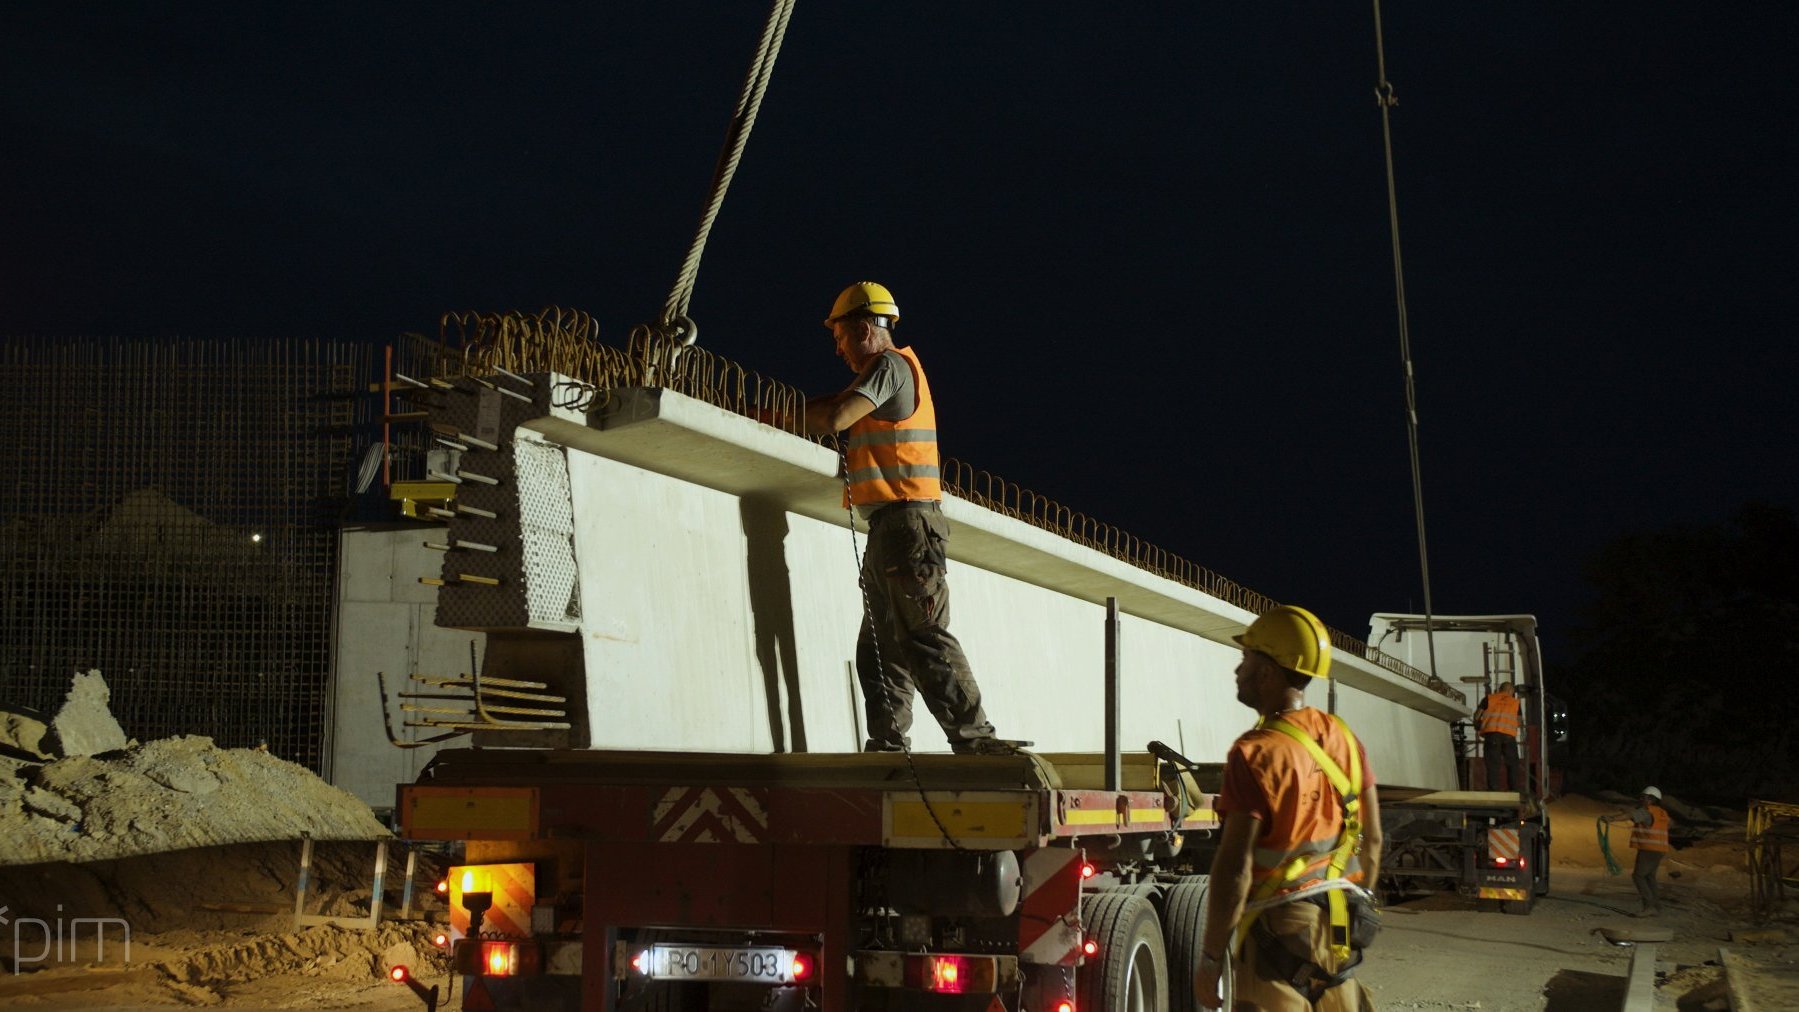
212 928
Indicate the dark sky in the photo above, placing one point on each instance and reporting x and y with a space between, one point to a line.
1142 248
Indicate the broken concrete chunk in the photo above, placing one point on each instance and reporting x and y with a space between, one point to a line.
84 725
23 734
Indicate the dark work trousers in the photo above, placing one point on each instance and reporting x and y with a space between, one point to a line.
1648 862
1499 748
904 571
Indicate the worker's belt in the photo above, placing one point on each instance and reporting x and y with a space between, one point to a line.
894 509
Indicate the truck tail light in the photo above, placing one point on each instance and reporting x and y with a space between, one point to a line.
947 974
1501 862
1088 870
496 957
1089 947
441 940
802 966
499 959
399 974
1065 1006
641 961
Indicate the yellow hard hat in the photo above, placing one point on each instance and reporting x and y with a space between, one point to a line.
1293 637
864 296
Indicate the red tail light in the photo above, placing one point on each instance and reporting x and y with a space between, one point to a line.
946 974
1090 947
440 940
443 886
641 962
802 966
1066 1006
1500 861
399 974
1088 870
500 959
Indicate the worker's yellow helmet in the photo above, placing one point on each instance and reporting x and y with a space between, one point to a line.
865 297
1293 637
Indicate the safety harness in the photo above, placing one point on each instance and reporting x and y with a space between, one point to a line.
1349 790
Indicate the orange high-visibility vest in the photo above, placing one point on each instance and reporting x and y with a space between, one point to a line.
1655 835
891 461
1296 847
1502 715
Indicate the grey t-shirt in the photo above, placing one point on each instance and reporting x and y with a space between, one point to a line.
887 382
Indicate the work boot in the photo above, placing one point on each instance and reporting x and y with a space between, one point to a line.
989 746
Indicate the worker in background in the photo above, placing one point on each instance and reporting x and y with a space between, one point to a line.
893 480
1649 838
1500 716
1301 843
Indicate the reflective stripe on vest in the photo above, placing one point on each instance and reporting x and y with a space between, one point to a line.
1655 835
891 461
1339 861
1502 715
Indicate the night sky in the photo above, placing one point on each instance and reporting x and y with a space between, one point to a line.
1142 248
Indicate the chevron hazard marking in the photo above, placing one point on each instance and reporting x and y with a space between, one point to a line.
1503 843
710 815
1049 924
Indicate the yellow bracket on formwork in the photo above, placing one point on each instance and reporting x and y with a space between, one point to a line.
1773 834
416 498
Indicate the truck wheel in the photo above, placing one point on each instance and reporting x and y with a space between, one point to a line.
1184 922
1130 973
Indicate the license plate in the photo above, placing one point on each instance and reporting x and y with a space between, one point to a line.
758 964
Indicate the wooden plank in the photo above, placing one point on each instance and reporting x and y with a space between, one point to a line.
1639 987
1737 978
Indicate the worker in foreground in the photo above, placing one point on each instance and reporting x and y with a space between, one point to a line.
1300 847
894 480
1500 717
1649 838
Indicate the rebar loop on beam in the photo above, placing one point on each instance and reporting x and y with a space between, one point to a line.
566 341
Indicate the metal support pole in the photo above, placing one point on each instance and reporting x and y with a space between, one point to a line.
412 866
304 881
1114 760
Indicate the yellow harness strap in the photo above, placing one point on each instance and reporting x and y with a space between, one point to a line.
1349 789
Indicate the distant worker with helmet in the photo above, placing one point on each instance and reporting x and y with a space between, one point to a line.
894 481
1649 838
1301 843
1499 718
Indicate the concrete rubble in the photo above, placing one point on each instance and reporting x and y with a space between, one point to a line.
76 788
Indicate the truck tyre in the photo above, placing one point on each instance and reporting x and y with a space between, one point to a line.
1130 972
1184 922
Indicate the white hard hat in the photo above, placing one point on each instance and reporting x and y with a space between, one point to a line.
1652 792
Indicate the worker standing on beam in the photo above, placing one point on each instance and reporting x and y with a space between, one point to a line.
1301 842
894 480
1500 717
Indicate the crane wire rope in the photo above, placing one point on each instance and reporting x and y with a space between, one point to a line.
674 323
1386 99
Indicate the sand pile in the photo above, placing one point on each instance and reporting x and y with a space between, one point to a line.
74 788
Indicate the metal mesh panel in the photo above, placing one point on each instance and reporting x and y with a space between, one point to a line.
547 527
168 516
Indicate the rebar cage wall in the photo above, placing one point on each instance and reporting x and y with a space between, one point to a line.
169 516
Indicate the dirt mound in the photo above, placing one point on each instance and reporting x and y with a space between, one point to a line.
213 927
172 794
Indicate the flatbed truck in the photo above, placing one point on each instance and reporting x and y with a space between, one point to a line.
880 881
1489 844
